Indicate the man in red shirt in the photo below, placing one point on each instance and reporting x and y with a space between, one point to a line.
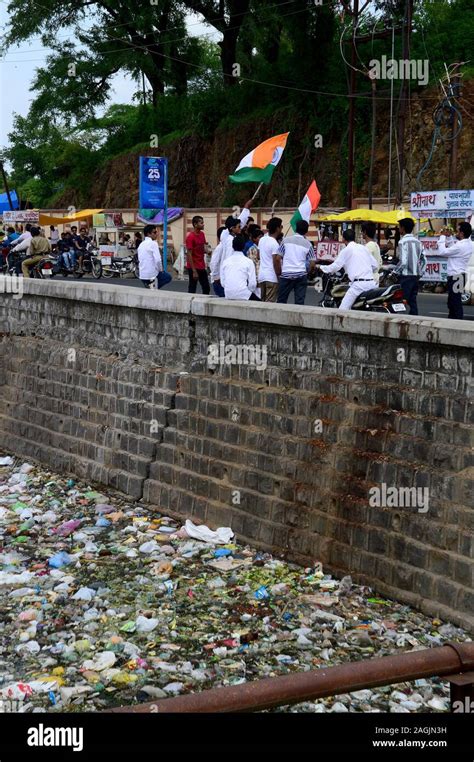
195 262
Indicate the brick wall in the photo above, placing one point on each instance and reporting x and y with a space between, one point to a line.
113 385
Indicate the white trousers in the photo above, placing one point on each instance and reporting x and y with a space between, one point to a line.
357 287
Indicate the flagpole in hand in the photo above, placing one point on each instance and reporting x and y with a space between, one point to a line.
257 192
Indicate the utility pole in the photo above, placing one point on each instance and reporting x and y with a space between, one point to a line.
5 182
372 146
455 90
352 90
402 103
355 12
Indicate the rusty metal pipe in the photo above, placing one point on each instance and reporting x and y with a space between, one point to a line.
320 683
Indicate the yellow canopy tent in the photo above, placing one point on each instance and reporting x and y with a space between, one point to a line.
368 215
46 219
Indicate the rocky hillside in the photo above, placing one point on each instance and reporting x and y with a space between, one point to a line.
199 167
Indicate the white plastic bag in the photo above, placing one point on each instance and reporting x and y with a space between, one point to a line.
221 536
179 262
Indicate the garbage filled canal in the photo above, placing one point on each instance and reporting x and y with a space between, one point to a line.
106 603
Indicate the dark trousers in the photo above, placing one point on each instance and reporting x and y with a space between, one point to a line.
254 298
409 284
287 285
162 280
218 289
456 285
203 280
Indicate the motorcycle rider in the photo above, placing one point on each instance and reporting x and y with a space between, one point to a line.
11 237
359 266
369 230
22 244
80 243
39 248
67 250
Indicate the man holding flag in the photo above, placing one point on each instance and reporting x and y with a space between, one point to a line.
258 166
297 255
296 252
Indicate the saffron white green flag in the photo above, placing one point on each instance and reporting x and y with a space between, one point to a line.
258 165
307 206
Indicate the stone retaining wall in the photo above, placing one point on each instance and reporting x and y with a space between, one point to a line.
113 384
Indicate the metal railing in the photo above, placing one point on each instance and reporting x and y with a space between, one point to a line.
453 661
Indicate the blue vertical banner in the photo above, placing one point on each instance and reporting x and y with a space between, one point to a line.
153 193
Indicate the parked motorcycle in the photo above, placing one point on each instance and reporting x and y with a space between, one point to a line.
387 299
120 267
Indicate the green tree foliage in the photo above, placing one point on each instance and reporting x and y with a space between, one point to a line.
288 51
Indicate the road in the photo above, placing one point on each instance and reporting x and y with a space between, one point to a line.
429 305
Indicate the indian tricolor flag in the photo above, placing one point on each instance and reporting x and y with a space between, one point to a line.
258 166
307 206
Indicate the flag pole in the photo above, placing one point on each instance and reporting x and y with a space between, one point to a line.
257 192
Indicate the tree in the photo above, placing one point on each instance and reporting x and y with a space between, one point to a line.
104 37
227 16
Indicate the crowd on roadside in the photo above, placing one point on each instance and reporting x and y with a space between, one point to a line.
249 264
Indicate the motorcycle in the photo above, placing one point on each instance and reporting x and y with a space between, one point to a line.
57 264
387 276
120 267
4 259
11 260
387 299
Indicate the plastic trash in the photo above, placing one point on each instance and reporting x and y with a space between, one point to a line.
59 560
146 625
7 578
220 552
115 624
148 547
102 661
84 594
68 527
221 536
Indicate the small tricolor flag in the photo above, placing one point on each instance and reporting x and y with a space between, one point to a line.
307 206
258 166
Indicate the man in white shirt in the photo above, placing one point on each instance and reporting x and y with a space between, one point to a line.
458 255
297 255
243 218
21 247
216 265
270 261
238 276
359 266
149 260
369 230
53 235
233 228
23 242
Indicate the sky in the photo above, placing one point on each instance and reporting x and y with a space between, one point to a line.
18 66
